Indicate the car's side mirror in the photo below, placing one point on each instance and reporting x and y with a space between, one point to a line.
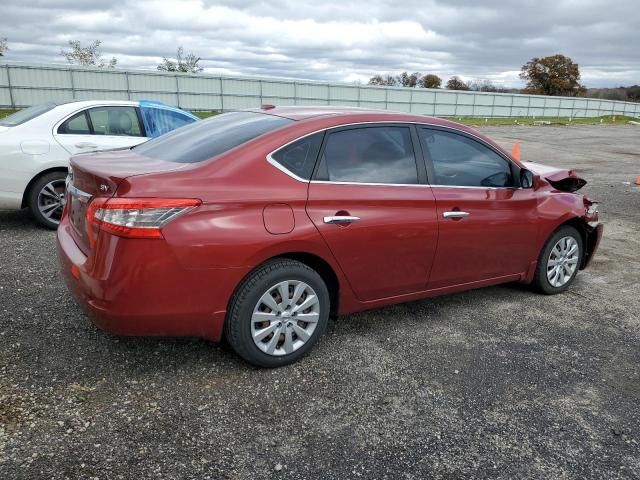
526 178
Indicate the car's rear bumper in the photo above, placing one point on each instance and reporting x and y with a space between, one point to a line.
137 287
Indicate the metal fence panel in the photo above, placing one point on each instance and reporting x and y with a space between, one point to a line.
22 85
151 83
100 95
27 96
371 94
99 81
279 89
5 97
33 77
197 85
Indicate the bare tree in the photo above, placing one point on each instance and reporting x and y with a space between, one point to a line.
408 79
89 56
485 86
3 46
183 63
379 80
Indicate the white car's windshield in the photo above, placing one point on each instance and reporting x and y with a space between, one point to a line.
26 114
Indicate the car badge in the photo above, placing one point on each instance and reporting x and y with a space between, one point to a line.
104 187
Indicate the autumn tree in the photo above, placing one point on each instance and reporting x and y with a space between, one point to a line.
183 63
430 81
456 83
3 46
552 75
89 56
379 80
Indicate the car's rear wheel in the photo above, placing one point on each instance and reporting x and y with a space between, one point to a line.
559 261
278 313
46 199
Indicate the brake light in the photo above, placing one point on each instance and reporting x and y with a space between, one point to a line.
134 217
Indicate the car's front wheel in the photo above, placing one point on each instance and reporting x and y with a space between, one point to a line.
46 199
278 313
559 261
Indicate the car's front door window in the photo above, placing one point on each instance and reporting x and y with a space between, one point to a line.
461 161
369 155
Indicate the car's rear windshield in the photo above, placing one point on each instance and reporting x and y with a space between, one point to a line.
27 114
200 141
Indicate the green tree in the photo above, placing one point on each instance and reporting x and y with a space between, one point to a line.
430 81
183 63
89 56
552 75
456 83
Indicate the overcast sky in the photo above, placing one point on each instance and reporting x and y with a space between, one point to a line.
339 40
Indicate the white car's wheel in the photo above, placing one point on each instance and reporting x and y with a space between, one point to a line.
47 198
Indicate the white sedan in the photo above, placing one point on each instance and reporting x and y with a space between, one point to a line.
37 142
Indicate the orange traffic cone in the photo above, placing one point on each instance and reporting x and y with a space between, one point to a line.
516 150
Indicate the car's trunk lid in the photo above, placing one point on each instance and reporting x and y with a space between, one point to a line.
98 175
560 178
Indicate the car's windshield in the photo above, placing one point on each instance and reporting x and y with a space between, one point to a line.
25 115
203 140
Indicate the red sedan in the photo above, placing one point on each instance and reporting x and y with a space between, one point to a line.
259 225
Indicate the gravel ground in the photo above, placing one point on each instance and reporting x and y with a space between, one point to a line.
499 382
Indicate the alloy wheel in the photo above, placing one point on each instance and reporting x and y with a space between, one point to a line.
563 261
51 200
285 317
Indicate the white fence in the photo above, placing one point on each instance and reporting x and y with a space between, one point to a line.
22 85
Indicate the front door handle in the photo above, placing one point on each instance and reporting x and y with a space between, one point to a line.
455 214
341 219
86 145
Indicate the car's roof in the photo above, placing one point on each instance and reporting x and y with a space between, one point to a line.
82 103
308 119
309 112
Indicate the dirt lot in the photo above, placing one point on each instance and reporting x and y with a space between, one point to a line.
499 383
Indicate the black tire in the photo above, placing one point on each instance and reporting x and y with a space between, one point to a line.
58 177
239 317
541 282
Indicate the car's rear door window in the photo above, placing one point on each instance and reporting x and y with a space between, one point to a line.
115 121
381 154
208 138
78 124
458 160
300 156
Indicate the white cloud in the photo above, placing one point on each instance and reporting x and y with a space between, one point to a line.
338 40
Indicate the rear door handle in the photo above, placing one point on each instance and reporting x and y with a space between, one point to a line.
455 214
341 219
86 145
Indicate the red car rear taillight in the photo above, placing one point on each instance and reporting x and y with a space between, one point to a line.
134 217
591 212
